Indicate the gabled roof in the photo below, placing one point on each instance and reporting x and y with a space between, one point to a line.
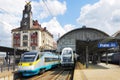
36 26
116 34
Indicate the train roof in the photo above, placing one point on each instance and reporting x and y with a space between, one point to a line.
30 52
110 54
43 53
50 53
67 48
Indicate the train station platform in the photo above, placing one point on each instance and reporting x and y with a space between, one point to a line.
97 72
7 75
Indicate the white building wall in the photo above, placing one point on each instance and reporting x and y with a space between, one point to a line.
29 39
39 38
21 38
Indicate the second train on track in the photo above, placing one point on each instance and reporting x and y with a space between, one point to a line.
67 58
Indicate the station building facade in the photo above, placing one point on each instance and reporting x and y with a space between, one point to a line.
30 35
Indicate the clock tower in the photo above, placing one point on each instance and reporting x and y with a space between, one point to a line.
27 22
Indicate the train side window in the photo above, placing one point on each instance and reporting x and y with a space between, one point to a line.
47 59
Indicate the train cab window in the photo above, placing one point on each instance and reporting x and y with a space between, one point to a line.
67 52
37 58
28 57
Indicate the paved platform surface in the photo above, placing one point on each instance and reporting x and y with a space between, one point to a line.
97 72
6 73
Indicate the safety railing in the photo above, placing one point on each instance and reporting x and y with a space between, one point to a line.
7 67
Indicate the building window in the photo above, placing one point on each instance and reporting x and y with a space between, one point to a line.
16 39
34 37
25 37
33 48
25 44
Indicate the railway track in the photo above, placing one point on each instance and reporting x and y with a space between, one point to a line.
54 74
65 75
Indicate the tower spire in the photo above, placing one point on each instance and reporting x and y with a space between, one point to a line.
27 21
28 2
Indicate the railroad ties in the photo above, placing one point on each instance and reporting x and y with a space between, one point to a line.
53 74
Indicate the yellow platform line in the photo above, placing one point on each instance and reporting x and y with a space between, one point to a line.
78 73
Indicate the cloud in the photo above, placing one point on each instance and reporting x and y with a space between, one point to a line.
49 8
103 15
10 16
69 27
54 27
5 34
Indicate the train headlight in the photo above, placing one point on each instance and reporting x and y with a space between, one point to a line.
31 64
20 64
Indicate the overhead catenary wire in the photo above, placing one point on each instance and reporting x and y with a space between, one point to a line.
6 12
50 13
47 8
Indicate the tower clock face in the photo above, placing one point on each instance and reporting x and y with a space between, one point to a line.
25 15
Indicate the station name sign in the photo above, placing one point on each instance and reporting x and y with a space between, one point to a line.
108 45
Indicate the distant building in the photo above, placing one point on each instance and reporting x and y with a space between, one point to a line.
30 35
117 34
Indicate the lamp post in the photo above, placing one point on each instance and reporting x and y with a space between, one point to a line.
118 50
87 53
14 58
87 57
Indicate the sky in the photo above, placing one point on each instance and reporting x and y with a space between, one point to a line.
60 16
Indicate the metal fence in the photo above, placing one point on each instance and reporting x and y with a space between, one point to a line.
7 67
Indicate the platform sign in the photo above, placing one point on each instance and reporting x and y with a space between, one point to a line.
108 45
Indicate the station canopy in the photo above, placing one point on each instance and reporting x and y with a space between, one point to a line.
11 51
79 39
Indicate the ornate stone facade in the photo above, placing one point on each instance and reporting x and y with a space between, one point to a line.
30 35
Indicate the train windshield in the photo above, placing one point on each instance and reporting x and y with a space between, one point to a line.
66 52
28 57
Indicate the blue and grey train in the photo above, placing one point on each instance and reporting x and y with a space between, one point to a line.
112 58
67 57
33 63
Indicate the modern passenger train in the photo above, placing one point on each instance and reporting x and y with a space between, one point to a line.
33 63
112 58
67 57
